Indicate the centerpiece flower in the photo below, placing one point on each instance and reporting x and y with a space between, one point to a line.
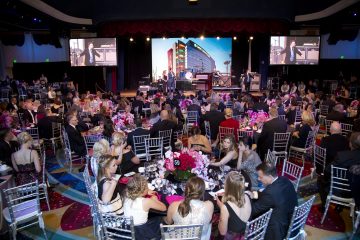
186 164
185 103
256 118
122 120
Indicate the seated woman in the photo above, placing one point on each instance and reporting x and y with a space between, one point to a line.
229 154
100 148
197 141
299 137
137 205
108 129
155 114
109 191
127 160
26 161
56 106
248 161
235 207
192 210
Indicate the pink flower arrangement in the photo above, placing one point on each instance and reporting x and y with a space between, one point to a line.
185 103
186 163
121 120
256 118
354 104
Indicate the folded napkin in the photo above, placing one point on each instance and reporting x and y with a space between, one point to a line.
173 198
124 180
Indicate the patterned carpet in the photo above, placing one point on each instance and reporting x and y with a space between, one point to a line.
69 217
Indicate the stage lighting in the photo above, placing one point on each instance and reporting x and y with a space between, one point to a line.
163 38
148 39
235 38
217 38
202 37
182 37
251 37
193 2
131 39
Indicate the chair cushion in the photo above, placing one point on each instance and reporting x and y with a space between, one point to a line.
22 211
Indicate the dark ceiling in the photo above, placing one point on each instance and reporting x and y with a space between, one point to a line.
17 16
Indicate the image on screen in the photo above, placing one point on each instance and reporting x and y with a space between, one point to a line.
93 52
300 50
190 56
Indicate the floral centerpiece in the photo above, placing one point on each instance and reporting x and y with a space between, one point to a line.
185 103
255 118
186 164
122 120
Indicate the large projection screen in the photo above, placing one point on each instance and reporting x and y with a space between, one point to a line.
190 56
294 50
93 52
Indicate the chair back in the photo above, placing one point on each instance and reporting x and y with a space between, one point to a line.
293 172
319 159
281 141
139 146
118 227
245 133
298 118
56 129
223 131
339 181
299 218
327 126
34 132
192 231
207 130
191 119
90 140
23 199
271 158
282 117
310 140
346 129
256 228
154 148
66 139
324 110
166 135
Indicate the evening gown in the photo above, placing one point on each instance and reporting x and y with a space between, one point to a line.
27 173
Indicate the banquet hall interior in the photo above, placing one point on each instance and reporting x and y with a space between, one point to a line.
180 119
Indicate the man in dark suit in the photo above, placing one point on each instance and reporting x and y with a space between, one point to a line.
163 124
291 52
279 194
195 106
260 105
29 114
334 143
45 125
139 131
337 114
247 79
266 138
215 118
7 145
90 54
77 142
344 159
137 104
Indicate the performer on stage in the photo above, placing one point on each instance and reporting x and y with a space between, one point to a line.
90 54
291 50
247 80
171 81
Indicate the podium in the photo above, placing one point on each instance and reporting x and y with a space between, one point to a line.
255 82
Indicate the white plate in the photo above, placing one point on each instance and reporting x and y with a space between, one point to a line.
129 174
141 169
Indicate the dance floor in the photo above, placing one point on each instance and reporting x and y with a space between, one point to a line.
69 217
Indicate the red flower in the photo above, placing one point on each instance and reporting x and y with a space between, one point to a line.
187 162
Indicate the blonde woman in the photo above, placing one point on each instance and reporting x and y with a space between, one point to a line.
192 210
100 148
108 188
137 205
155 114
126 158
26 161
235 207
229 153
299 137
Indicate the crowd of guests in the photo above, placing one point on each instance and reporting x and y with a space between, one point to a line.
114 154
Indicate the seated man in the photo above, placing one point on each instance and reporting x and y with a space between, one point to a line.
337 114
45 124
163 124
77 142
139 131
279 194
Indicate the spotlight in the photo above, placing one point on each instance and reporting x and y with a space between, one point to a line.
218 38
182 37
164 38
355 14
234 37
202 37
193 2
251 37
131 39
148 39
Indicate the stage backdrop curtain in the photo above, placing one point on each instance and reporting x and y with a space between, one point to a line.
193 27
